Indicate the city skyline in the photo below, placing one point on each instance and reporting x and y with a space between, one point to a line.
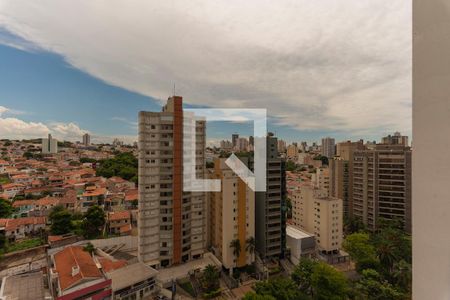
51 85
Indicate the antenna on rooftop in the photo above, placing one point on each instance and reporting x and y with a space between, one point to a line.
174 89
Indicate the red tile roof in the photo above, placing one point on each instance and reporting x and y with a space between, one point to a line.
13 224
109 265
119 215
75 256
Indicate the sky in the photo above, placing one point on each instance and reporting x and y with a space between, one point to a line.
337 68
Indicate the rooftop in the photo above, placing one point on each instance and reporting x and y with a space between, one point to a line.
130 275
29 286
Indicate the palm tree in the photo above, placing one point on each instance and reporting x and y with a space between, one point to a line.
402 274
236 245
250 245
210 278
386 254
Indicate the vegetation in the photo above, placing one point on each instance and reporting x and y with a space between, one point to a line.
383 259
5 208
210 280
93 222
24 244
61 220
187 286
278 288
236 245
124 165
4 180
89 248
290 166
87 160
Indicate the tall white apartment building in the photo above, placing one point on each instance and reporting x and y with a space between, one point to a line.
172 222
328 147
86 139
49 145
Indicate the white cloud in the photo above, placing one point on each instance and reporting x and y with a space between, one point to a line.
331 65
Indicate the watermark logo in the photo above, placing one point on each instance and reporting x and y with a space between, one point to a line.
255 180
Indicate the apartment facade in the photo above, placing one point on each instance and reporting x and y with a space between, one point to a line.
382 184
172 222
270 206
341 174
328 149
232 217
49 145
317 213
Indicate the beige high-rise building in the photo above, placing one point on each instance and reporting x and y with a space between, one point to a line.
382 184
232 217
315 212
339 181
281 146
341 173
172 222
396 139
345 149
292 152
321 179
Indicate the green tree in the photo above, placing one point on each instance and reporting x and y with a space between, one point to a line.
210 278
250 245
254 296
328 283
359 247
93 222
302 274
5 208
60 219
28 155
372 286
279 288
402 275
89 248
236 245
352 225
124 165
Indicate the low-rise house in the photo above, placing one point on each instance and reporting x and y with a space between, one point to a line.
3 165
23 207
92 196
24 179
118 183
75 274
21 227
119 221
12 189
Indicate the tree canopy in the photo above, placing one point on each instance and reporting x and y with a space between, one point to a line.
124 165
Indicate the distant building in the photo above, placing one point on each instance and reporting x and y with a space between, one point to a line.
232 217
382 184
328 147
321 180
396 139
49 145
341 174
292 152
226 145
321 215
281 146
86 139
242 144
234 138
270 216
